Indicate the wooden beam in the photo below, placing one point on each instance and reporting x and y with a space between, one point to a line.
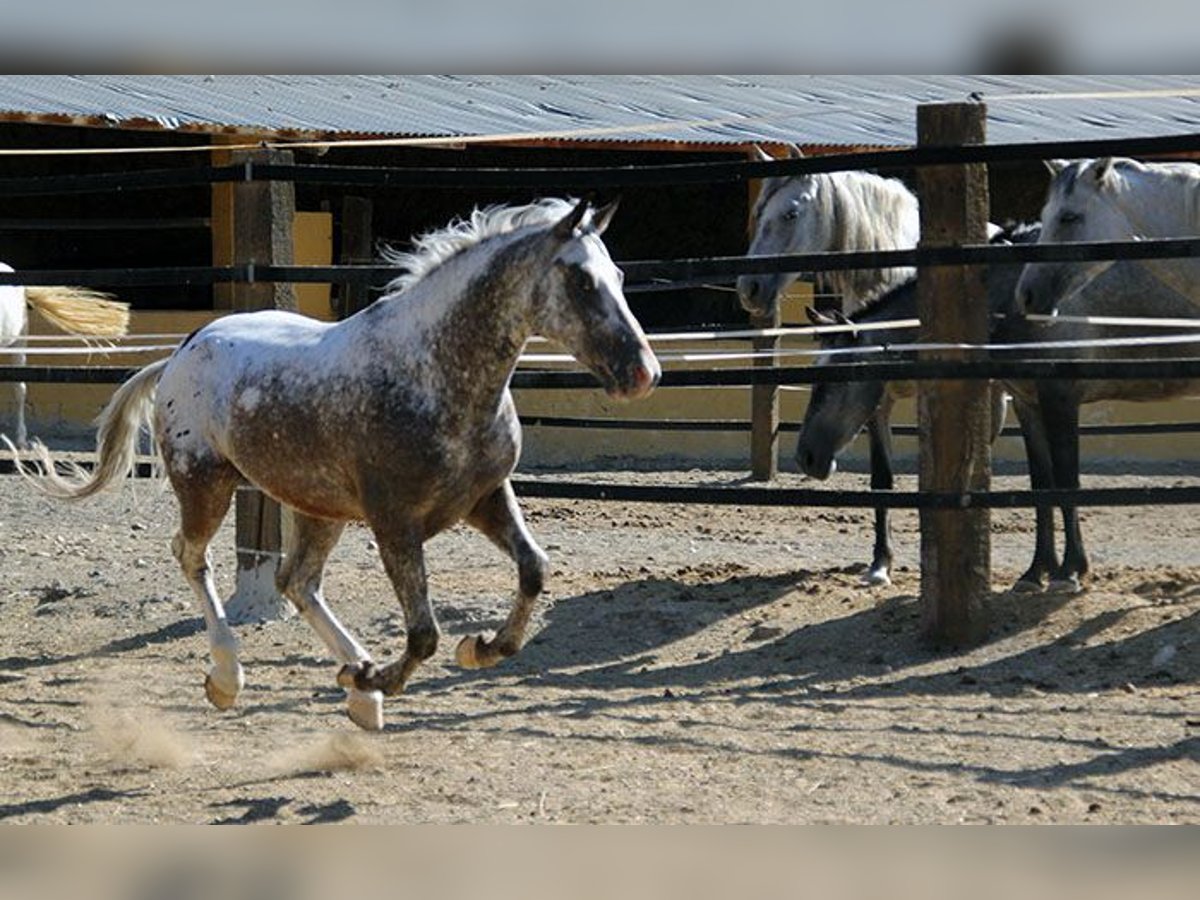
357 248
954 416
262 215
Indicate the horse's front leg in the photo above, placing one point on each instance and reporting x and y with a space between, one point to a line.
879 430
499 518
1041 477
404 561
1063 412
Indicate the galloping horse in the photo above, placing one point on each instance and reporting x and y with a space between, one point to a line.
74 310
1114 199
400 416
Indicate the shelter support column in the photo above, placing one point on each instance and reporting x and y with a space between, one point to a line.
954 416
258 229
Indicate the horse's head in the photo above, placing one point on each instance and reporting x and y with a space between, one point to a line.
788 218
1084 203
837 411
581 305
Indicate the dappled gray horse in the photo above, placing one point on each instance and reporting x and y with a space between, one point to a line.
1048 410
400 416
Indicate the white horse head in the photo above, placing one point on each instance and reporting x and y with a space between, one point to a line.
839 211
1111 199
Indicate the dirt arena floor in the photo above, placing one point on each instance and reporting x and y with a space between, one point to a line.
688 664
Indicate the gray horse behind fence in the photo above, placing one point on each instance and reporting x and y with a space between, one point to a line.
400 416
1047 410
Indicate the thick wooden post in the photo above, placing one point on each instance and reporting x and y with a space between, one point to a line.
764 408
356 249
262 214
954 416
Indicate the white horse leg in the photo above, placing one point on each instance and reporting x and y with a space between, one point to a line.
20 392
225 679
300 580
499 518
204 493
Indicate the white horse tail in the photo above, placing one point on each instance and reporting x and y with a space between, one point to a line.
79 310
116 441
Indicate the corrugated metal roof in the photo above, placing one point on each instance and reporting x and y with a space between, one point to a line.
698 109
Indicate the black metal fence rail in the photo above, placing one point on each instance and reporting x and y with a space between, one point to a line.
767 496
918 370
591 177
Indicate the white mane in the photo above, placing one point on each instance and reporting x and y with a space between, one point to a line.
433 248
864 212
868 212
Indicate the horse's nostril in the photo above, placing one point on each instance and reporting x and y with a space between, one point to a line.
752 290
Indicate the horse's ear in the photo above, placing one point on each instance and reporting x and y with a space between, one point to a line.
841 318
1102 168
762 155
564 229
817 317
1056 165
603 216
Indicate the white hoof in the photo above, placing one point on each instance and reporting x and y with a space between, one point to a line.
1027 587
365 709
1066 585
876 578
222 691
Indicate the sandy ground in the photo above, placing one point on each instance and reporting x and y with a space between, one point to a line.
688 664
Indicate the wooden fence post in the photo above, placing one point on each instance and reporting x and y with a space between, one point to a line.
356 249
262 215
764 408
954 416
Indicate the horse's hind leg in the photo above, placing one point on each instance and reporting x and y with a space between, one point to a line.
1063 412
300 580
1041 477
500 519
204 493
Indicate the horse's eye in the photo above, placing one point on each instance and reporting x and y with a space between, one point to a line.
791 215
1068 218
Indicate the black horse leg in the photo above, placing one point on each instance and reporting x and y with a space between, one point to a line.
1061 412
879 430
1041 477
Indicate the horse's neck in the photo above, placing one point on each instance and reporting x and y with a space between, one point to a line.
897 304
870 214
465 322
1164 202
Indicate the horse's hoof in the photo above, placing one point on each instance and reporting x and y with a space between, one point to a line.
1070 585
1026 586
219 698
466 654
365 709
876 578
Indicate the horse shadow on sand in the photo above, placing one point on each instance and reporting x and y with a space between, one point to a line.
605 651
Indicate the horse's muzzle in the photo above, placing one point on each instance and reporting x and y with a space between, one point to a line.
638 379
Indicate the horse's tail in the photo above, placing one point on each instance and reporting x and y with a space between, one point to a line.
116 441
80 311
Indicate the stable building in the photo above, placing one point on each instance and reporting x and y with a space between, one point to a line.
60 125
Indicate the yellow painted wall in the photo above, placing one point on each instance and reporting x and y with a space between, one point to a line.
69 410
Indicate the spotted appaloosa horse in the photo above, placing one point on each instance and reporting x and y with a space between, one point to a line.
400 416
75 310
